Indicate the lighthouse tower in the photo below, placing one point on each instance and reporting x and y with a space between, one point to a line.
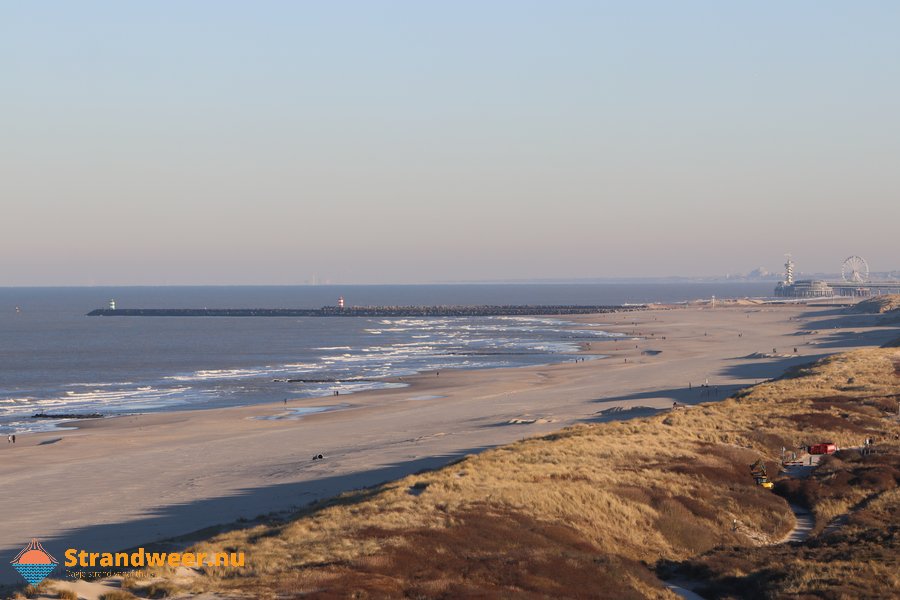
341 302
112 304
789 270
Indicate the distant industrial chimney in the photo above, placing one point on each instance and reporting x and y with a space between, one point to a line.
341 302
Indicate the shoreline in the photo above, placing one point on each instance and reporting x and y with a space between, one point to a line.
197 468
75 422
66 423
72 422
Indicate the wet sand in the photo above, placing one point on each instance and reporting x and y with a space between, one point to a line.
121 482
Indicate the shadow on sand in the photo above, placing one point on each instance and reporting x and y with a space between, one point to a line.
209 516
854 339
844 319
682 395
762 369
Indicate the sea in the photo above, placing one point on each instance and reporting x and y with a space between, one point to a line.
56 360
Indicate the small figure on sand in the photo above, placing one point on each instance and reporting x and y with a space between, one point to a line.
9 439
318 457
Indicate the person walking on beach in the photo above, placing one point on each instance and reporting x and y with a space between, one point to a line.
14 438
9 439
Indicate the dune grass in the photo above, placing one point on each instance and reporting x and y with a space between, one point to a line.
856 556
879 304
117 595
585 511
593 510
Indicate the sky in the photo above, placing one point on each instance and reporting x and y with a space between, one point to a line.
217 142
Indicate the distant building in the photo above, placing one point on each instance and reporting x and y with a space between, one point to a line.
804 288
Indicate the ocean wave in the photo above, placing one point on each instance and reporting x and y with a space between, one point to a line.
218 374
35 426
101 400
322 390
417 345
100 385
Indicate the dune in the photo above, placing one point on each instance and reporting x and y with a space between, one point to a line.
609 481
612 509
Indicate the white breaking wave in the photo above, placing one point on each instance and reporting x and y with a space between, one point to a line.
416 345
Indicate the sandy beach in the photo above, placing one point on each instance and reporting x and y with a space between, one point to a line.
116 483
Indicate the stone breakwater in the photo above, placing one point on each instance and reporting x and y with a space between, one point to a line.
366 311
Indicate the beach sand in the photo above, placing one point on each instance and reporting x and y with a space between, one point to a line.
121 482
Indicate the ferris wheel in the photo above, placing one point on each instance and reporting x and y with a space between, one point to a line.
855 270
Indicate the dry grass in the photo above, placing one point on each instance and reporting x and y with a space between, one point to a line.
843 482
575 506
117 595
160 589
34 591
857 556
855 497
582 512
880 304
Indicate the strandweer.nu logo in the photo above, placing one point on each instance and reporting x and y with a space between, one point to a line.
34 563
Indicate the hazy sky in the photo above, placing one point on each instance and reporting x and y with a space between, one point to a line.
368 142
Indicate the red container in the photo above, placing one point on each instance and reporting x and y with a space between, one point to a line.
825 448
